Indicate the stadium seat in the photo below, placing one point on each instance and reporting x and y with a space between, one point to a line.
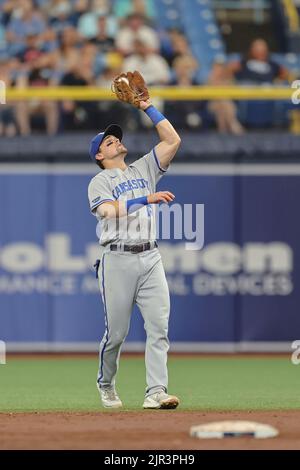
196 19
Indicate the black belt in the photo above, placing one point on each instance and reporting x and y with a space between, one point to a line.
134 248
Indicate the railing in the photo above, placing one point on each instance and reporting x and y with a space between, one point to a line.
167 93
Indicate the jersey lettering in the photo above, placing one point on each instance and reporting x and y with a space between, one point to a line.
129 185
122 186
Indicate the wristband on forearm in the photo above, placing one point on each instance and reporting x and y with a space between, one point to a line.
133 205
154 115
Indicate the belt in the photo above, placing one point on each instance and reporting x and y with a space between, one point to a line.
134 248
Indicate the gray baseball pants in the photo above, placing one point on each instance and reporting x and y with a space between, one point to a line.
125 279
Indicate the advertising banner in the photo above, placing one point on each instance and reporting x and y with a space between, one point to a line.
240 288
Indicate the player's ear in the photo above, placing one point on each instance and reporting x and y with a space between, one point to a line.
99 156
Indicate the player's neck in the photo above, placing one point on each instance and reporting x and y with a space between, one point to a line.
115 163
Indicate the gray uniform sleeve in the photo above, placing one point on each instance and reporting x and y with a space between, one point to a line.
150 166
99 191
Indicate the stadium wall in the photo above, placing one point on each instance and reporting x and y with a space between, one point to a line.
240 292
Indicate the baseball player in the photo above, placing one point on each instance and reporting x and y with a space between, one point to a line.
130 270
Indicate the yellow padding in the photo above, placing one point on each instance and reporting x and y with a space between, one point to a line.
169 93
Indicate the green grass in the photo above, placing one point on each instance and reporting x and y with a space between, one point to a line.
202 383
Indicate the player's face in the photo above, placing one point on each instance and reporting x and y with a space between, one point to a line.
111 148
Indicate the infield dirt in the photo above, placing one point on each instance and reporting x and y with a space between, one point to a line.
147 430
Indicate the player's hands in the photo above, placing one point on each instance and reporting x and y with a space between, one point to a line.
145 104
161 196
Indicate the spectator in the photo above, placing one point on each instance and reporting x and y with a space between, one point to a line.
80 6
80 114
136 29
24 20
155 71
49 40
109 73
90 25
31 51
39 71
185 114
185 67
123 8
175 46
105 35
88 53
257 67
77 5
112 111
6 10
224 111
61 15
69 53
7 118
152 66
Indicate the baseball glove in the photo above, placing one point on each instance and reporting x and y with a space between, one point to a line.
130 88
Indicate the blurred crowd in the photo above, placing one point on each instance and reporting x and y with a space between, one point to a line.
87 43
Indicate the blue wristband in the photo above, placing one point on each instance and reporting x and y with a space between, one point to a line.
154 115
133 205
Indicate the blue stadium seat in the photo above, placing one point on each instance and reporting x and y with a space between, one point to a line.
196 19
169 14
256 114
291 61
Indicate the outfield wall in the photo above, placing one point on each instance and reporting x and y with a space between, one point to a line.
240 292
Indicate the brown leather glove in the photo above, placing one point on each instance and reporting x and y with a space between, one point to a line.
130 88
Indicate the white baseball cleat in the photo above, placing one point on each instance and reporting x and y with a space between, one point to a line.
161 400
109 397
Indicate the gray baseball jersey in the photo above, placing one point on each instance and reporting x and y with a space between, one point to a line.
127 278
139 179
